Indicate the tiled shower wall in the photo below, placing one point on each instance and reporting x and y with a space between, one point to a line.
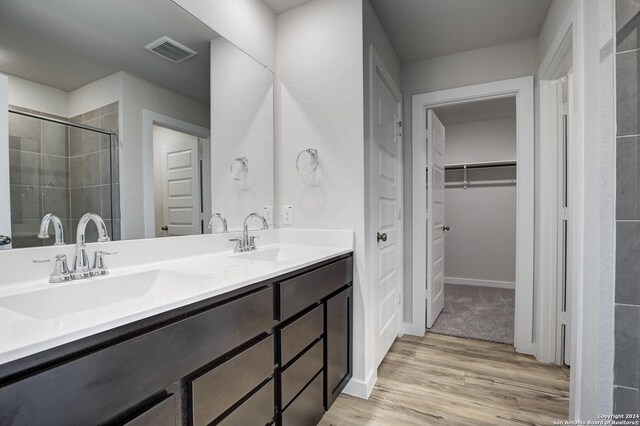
626 396
91 178
39 177
63 170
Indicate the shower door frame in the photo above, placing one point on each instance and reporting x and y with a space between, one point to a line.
5 194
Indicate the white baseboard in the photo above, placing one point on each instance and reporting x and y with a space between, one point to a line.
480 283
362 389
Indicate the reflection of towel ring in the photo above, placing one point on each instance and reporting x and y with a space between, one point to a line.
239 168
313 154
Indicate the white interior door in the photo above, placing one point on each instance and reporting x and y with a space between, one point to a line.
386 187
181 187
435 218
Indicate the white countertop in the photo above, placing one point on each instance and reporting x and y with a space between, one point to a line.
216 273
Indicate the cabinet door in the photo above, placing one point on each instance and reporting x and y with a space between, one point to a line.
339 336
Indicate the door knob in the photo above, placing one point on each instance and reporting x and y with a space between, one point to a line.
5 240
446 228
165 228
382 237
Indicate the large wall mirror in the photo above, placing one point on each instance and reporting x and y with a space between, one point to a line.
134 110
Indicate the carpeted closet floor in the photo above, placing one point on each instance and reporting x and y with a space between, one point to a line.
481 313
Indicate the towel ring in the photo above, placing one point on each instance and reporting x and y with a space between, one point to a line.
239 174
313 154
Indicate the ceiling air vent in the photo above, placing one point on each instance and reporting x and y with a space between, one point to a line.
170 49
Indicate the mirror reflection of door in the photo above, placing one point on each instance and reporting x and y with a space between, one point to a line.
178 171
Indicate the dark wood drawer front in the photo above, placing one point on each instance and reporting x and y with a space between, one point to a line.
300 292
103 384
214 392
308 408
161 414
300 334
298 374
256 411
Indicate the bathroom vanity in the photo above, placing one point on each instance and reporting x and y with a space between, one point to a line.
277 351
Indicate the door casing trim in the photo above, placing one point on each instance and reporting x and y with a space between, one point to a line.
522 90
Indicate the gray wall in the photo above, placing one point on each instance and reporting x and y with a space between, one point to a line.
481 244
626 396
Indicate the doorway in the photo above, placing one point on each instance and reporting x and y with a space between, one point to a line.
425 285
196 168
476 226
178 167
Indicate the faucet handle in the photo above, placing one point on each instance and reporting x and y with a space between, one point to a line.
252 241
238 247
60 270
99 268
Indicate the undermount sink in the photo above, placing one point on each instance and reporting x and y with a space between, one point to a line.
279 254
157 285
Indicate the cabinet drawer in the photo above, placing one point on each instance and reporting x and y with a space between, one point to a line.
161 414
300 292
300 334
256 411
298 374
103 384
307 409
214 392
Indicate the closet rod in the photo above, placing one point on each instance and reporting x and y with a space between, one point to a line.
480 165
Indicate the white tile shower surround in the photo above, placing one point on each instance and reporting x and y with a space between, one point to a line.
209 256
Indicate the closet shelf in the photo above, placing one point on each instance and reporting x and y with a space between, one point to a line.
480 165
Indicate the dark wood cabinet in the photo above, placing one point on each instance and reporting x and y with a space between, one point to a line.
316 313
107 382
276 352
338 340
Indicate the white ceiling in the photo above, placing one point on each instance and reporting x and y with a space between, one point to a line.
477 111
75 42
423 29
281 6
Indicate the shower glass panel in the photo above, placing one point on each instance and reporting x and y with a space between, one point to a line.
60 169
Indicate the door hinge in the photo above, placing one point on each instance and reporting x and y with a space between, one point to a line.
399 213
400 128
562 318
563 108
564 213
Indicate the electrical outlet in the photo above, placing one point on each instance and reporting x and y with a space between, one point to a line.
287 215
267 213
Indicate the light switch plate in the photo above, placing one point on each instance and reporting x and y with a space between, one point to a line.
267 213
287 215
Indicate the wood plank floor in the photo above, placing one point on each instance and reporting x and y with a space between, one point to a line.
443 380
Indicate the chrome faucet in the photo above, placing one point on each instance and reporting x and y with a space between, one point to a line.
222 219
81 260
247 242
57 227
60 271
